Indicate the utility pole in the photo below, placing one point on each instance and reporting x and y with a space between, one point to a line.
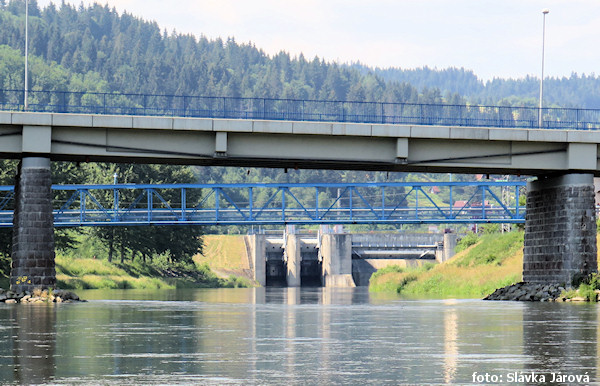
540 117
25 102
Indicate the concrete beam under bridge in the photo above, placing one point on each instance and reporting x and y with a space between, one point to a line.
324 145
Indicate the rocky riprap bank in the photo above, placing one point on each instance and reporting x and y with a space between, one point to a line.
533 292
39 296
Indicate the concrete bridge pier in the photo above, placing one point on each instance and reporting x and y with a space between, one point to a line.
33 227
336 250
560 229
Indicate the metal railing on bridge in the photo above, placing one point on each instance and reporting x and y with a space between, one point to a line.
300 110
280 204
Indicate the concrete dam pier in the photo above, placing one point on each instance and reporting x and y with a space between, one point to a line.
339 259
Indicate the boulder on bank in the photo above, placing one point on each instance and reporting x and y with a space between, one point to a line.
522 291
39 296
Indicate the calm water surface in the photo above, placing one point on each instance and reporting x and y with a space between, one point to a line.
291 336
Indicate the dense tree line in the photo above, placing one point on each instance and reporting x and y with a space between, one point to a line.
576 90
133 55
97 49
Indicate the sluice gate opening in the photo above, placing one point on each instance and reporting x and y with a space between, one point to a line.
275 264
311 270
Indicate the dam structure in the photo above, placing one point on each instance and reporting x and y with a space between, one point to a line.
332 258
561 152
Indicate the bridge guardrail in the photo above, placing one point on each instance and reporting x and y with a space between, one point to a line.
300 110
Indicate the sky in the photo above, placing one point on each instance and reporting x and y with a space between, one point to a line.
494 38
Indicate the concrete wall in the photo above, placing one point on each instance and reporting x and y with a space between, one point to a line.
256 245
449 244
336 250
560 229
293 253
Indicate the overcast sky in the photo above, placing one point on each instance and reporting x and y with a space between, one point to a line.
494 38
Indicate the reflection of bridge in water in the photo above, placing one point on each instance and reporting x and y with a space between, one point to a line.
280 204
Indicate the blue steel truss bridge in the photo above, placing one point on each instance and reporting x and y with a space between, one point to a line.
281 204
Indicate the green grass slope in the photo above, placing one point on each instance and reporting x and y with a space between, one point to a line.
494 261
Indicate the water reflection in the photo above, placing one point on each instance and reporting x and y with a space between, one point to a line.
33 342
450 341
295 336
561 338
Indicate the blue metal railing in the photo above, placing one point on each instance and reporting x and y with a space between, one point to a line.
280 204
300 110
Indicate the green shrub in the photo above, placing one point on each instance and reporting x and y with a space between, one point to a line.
406 280
427 266
569 294
465 242
490 228
408 275
236 282
594 280
388 269
588 292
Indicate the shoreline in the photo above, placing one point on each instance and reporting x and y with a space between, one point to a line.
39 296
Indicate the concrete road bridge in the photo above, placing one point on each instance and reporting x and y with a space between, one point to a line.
563 154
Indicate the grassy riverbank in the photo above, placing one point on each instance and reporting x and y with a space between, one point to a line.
495 261
86 273
222 264
87 267
225 255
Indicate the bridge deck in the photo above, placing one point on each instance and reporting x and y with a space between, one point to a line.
300 134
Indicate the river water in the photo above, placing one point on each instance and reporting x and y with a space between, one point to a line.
294 337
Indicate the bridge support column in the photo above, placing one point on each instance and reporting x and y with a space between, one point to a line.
560 229
294 260
336 250
33 227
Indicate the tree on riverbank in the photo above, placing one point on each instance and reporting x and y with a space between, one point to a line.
179 243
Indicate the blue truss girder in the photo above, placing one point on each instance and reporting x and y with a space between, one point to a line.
303 203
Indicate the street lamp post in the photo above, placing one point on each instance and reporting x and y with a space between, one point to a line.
540 118
26 53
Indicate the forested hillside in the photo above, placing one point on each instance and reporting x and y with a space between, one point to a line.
97 49
133 55
577 90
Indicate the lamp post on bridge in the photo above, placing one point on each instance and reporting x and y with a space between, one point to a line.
25 103
545 11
